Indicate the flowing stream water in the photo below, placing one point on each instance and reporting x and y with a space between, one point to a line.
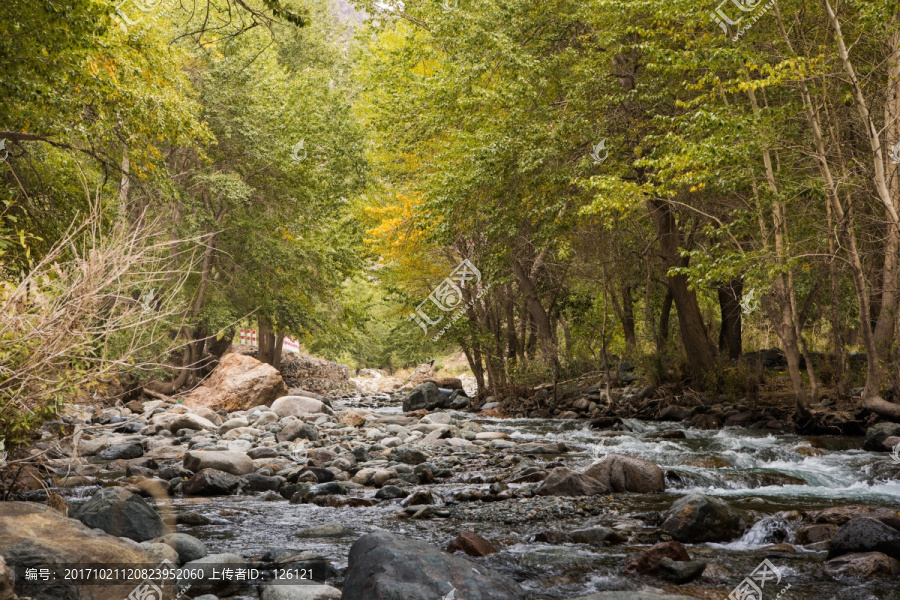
772 476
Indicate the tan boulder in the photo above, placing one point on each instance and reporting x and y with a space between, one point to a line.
353 418
33 534
240 382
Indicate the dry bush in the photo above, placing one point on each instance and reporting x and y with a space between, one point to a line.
101 304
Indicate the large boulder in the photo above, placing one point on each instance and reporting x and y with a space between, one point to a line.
697 518
626 474
384 566
240 382
236 463
864 565
298 406
33 535
118 512
425 396
210 482
863 534
565 482
838 515
876 434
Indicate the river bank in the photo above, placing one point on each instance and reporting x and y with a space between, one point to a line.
313 475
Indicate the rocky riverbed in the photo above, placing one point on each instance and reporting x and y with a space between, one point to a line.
367 498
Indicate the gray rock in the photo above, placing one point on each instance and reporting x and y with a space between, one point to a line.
626 474
210 482
262 483
597 536
698 518
863 534
121 451
425 396
563 481
876 434
191 421
159 552
407 455
680 571
118 512
325 531
236 463
296 406
674 413
233 424
390 492
300 592
262 452
187 546
298 430
383 565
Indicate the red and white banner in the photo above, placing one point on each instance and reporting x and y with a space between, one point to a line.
249 337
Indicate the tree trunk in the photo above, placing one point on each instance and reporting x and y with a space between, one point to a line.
277 351
690 320
730 340
664 316
473 357
266 340
541 319
628 316
512 342
890 297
